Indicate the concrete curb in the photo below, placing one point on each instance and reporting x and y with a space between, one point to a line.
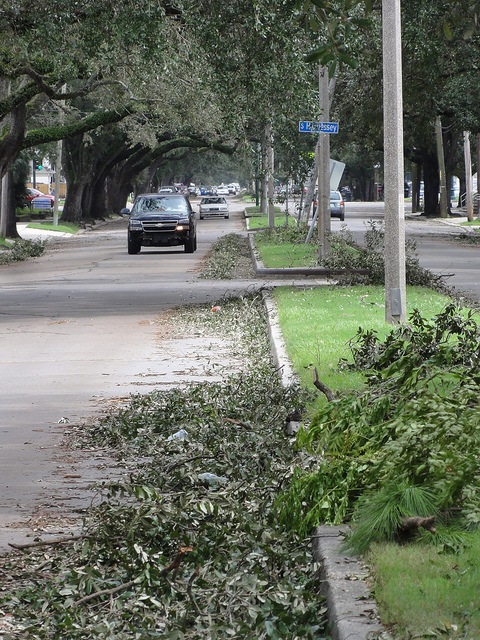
352 612
277 344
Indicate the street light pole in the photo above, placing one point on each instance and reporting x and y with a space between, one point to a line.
395 283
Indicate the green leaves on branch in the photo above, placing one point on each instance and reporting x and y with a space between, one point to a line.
417 425
336 24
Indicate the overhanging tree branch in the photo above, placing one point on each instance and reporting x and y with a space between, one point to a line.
52 134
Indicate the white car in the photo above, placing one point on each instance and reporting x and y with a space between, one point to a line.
213 206
223 191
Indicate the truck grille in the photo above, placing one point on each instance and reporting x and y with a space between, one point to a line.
165 225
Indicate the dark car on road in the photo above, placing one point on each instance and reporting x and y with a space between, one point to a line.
161 220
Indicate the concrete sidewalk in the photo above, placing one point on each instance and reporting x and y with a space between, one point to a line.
39 234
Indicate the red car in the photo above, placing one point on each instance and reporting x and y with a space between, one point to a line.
35 193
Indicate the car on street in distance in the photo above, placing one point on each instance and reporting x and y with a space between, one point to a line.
337 205
223 191
167 190
161 220
32 194
213 206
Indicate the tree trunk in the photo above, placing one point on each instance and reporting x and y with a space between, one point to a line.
13 131
78 173
98 207
87 202
118 187
415 522
310 194
451 143
8 225
463 189
431 185
73 207
416 178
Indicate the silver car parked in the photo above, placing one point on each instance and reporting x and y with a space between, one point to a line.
337 205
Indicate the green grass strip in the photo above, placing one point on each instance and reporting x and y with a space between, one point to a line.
261 222
419 589
65 227
318 323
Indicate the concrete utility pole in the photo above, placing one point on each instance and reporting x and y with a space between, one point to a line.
441 168
58 168
5 89
323 201
4 204
270 169
264 185
395 284
478 164
468 174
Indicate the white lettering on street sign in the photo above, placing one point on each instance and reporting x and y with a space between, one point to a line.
317 127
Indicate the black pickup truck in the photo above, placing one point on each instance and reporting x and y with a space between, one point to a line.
161 220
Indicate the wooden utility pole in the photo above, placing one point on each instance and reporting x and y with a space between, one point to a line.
323 200
395 280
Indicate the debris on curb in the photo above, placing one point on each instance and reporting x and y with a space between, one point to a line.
352 611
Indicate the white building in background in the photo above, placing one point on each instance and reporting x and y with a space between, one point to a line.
45 175
44 178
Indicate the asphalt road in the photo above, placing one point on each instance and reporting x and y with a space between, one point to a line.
81 327
437 243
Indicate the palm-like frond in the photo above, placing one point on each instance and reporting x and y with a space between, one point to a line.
378 515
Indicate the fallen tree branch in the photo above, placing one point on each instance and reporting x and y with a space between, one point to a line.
190 593
44 543
239 423
415 522
179 463
104 592
321 386
173 566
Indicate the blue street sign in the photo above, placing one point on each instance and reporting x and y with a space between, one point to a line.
317 127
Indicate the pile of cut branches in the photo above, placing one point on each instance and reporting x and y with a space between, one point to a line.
21 250
407 446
